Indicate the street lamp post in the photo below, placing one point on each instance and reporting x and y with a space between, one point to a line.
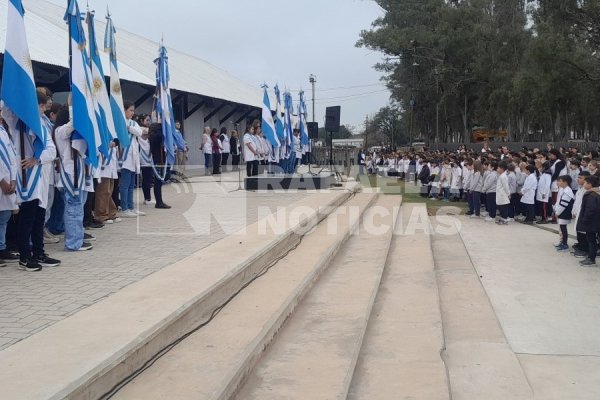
313 80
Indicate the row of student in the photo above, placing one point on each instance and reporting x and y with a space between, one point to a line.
58 182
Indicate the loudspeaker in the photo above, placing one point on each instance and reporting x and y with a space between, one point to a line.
332 119
313 130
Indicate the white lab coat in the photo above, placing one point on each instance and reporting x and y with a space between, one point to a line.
8 170
131 154
529 188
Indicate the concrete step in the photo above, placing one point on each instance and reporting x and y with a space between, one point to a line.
211 363
480 362
314 356
400 357
84 356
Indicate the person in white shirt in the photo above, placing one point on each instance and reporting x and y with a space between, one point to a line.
206 147
528 194
8 189
71 153
250 152
581 247
297 148
502 193
226 147
130 165
105 209
543 194
32 191
146 159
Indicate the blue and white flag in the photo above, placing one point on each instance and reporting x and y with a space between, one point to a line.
18 85
279 125
268 125
288 126
116 97
86 136
164 106
302 121
106 123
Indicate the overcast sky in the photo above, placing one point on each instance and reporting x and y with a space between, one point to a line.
270 40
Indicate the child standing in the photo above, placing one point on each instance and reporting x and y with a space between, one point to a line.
489 188
543 191
502 193
563 209
528 194
588 220
580 248
513 209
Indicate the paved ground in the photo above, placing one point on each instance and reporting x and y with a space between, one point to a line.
203 212
547 305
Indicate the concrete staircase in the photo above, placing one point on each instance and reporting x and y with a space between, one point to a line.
349 302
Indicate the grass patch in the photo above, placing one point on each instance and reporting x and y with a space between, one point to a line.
409 192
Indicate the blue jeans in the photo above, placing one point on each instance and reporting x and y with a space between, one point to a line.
4 217
207 160
73 217
56 223
126 184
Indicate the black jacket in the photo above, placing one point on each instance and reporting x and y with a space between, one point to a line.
424 175
156 140
589 215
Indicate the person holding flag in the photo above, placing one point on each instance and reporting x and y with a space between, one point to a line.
22 110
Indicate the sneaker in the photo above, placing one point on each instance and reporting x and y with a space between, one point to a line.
149 202
46 261
9 256
30 265
88 237
162 206
109 222
85 247
138 213
117 220
489 219
562 247
587 263
128 214
510 220
579 254
542 222
474 216
50 238
502 222
95 225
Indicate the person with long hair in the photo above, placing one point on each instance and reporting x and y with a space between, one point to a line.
130 159
217 148
476 187
157 144
226 147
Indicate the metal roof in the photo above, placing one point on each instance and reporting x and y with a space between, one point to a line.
47 36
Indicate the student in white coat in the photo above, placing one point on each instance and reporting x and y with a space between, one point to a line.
32 193
502 193
8 196
528 194
130 165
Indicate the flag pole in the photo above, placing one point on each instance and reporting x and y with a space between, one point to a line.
73 151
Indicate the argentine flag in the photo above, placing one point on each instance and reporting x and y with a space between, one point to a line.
302 120
84 115
288 126
116 97
279 115
164 105
18 84
268 125
106 123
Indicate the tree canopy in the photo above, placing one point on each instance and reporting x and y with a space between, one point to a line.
528 67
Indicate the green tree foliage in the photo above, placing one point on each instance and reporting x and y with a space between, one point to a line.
528 67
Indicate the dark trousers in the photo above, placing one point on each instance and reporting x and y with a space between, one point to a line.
564 235
56 222
158 184
30 232
252 168
88 208
529 210
504 211
115 192
582 243
515 205
216 161
12 242
147 179
592 245
477 203
490 204
224 158
470 202
235 161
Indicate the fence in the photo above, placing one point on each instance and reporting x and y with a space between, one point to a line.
515 146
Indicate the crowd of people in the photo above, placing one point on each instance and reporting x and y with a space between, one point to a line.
531 186
54 194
